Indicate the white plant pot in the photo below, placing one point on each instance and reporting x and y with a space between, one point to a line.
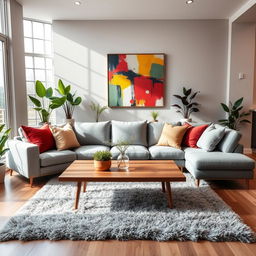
185 120
70 121
2 172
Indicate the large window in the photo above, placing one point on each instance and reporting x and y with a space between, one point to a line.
38 60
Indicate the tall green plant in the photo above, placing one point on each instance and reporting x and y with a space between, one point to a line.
96 107
187 106
3 138
235 117
68 101
43 105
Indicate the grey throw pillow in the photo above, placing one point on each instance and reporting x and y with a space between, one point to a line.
211 137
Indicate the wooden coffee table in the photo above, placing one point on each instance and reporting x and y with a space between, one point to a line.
164 171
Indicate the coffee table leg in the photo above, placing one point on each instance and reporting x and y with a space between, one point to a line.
84 187
169 194
77 194
163 187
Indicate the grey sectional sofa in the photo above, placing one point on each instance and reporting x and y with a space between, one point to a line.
226 162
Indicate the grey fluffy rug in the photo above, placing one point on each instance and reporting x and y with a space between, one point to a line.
126 211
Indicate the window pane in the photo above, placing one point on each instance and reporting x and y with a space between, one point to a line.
48 47
30 87
29 74
2 85
38 30
29 62
48 63
38 46
27 28
39 62
49 76
48 31
39 75
28 45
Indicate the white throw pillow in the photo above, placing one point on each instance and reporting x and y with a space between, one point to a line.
211 138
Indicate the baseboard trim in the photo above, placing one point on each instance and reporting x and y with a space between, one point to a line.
249 150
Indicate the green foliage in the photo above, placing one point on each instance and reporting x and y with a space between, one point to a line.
102 156
234 115
44 96
154 115
67 100
3 138
187 106
98 109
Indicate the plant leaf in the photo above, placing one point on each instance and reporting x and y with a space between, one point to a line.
67 89
40 89
225 107
70 97
188 92
184 101
194 110
177 96
245 121
35 101
77 101
49 93
61 87
193 95
176 106
238 103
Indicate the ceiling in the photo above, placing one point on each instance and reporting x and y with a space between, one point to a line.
129 9
248 16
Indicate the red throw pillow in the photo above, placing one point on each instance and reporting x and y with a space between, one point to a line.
193 134
42 137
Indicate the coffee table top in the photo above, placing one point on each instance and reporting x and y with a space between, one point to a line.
139 170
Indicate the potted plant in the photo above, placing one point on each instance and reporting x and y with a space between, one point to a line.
235 117
154 115
102 160
187 106
43 109
3 138
122 159
68 101
98 109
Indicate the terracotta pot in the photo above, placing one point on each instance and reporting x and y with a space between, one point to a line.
2 172
102 165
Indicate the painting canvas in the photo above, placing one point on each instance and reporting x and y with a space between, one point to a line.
136 80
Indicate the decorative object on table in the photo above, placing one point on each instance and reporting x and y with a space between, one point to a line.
44 107
122 159
68 101
192 135
136 80
98 109
65 137
154 115
172 135
187 106
235 117
42 137
3 138
102 160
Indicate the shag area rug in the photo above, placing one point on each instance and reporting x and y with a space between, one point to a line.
126 211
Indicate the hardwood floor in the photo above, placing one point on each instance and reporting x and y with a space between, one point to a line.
16 191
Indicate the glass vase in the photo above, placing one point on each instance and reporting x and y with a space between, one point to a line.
123 162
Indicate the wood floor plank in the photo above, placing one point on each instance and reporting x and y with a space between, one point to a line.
16 191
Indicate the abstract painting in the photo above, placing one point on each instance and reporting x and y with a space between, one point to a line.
136 80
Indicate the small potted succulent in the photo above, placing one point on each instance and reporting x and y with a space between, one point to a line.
3 150
102 160
154 115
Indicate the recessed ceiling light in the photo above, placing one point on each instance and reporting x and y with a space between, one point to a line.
189 1
78 3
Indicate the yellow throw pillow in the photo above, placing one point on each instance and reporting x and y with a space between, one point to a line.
65 137
172 136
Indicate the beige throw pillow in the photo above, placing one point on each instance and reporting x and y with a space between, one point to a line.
172 135
65 137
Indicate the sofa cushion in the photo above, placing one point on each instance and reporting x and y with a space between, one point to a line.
54 157
211 137
218 161
135 152
87 152
230 140
165 153
134 133
93 133
155 131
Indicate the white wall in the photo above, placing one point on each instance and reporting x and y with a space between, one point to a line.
196 57
242 60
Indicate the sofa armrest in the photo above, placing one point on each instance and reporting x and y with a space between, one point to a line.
23 158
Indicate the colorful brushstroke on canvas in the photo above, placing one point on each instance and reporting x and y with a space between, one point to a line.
136 80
